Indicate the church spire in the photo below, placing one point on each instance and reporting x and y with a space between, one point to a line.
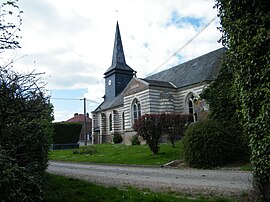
118 58
118 51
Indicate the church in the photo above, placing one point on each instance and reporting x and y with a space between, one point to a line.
127 97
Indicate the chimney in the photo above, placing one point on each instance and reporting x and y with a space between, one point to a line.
76 114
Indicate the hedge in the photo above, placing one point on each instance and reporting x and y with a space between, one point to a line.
65 133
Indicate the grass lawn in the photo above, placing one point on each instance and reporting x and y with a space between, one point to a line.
60 188
121 154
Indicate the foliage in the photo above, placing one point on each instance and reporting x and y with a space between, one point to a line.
65 132
152 126
245 31
149 128
117 138
25 119
207 144
25 132
122 154
17 184
135 140
8 36
223 102
174 124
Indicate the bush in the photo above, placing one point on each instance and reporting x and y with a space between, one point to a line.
25 128
135 140
117 138
174 124
149 128
207 144
65 133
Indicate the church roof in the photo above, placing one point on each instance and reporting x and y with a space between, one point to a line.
108 104
118 58
200 69
203 68
157 83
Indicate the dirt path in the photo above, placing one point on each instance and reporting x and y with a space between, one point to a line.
191 181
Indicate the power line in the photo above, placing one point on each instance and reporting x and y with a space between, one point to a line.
72 99
186 44
59 98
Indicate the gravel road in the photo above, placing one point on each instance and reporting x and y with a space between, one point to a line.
181 180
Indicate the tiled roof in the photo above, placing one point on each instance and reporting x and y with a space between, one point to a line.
157 83
108 104
203 68
79 118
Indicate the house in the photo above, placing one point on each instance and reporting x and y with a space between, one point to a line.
80 118
173 90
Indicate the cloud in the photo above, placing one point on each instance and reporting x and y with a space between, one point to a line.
72 42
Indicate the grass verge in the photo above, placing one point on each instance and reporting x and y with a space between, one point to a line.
120 154
59 188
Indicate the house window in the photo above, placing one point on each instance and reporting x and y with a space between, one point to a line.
136 109
110 122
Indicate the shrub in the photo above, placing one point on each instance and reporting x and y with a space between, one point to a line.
65 133
207 144
117 138
25 118
149 128
135 140
174 124
25 134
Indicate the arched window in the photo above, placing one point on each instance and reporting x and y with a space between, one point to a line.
110 122
136 109
190 100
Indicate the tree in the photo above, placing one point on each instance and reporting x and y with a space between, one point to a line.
149 128
223 102
246 33
8 35
25 121
25 132
174 124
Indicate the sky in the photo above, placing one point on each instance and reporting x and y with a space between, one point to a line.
72 42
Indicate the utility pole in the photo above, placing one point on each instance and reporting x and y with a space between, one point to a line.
85 126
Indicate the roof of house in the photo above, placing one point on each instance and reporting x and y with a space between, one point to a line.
200 69
203 68
79 118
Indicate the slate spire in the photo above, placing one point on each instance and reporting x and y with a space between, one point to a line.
118 58
118 51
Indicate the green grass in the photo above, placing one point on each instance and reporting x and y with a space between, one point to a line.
121 154
60 188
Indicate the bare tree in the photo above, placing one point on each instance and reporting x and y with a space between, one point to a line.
10 23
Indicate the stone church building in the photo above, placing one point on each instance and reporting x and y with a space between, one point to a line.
128 97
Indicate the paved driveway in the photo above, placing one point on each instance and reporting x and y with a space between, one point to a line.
191 181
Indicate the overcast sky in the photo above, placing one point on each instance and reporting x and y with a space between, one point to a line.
72 42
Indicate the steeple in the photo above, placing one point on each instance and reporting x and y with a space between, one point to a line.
119 74
118 51
118 58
